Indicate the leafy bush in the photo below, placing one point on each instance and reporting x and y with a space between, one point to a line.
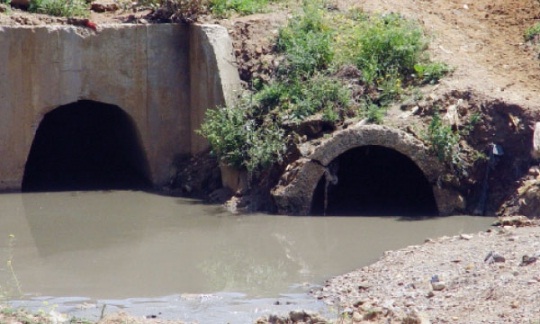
531 32
431 72
389 43
383 52
306 42
238 141
63 8
226 129
373 113
223 8
295 100
443 140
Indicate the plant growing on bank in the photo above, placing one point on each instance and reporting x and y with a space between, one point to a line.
532 32
238 141
223 8
443 139
10 286
386 55
63 8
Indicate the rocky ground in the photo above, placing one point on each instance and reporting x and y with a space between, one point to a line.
488 277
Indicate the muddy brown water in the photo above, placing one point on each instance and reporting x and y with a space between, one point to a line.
177 258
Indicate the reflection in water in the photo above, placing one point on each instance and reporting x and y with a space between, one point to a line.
122 244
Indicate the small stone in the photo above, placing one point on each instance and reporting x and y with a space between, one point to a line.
348 311
526 260
438 286
430 294
465 237
514 304
104 5
356 317
297 315
494 257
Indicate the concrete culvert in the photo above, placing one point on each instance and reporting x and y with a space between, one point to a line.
86 145
374 181
381 171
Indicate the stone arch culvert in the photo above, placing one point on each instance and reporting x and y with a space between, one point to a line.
366 170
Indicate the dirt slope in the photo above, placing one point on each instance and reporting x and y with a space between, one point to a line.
482 40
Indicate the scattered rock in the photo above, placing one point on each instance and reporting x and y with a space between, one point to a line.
526 260
465 237
494 257
297 316
517 221
104 5
438 286
357 317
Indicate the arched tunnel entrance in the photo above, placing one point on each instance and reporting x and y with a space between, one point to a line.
375 181
86 145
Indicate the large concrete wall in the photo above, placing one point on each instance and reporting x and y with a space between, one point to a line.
163 76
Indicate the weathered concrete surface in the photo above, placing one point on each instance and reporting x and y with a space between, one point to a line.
294 193
214 78
147 70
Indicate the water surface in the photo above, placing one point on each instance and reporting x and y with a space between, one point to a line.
116 246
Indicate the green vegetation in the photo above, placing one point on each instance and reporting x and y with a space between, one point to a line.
63 8
9 285
532 32
239 141
443 139
223 8
386 55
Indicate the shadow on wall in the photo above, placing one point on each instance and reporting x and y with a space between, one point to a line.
375 181
86 145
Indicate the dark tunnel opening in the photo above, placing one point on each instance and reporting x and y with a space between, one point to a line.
375 181
86 145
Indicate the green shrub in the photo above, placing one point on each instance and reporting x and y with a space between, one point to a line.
531 32
373 113
265 147
223 8
388 50
296 100
238 141
306 42
62 8
431 72
226 129
389 43
443 140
